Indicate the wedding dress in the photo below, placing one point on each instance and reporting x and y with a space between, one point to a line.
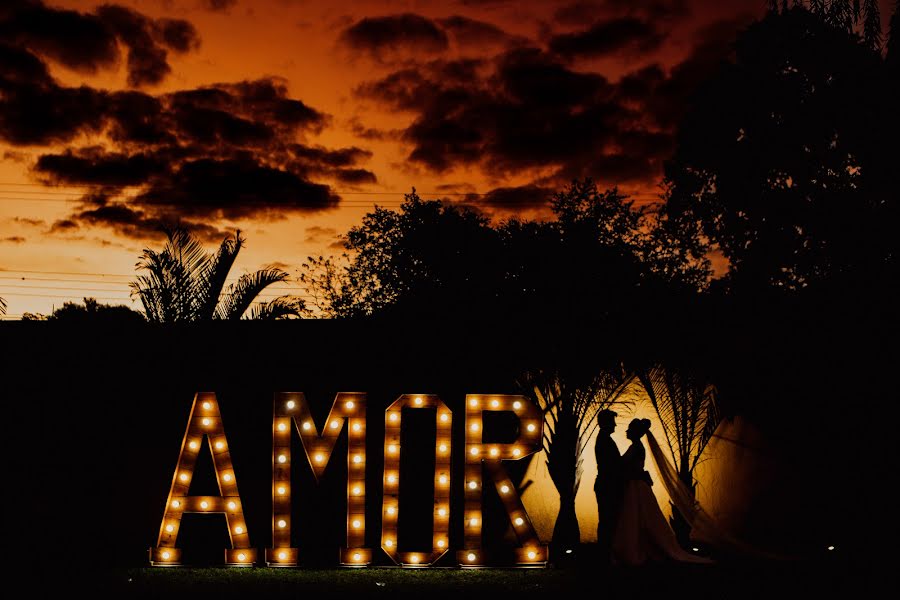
642 533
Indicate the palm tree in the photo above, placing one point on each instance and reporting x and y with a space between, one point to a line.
688 410
2 306
570 405
184 283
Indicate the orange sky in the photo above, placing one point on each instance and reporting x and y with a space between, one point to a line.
378 76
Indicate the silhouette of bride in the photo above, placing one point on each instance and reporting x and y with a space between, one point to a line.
642 533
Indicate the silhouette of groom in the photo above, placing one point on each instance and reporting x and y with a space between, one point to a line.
609 483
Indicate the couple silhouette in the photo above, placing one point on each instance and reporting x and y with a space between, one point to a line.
631 528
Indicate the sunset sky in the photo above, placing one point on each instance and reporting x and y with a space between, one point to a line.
289 119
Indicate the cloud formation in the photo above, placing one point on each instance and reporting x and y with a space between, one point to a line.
606 37
387 37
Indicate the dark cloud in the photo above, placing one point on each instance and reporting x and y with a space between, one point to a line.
135 223
15 239
606 37
64 226
88 42
514 199
470 32
580 12
94 166
28 221
387 37
317 234
219 5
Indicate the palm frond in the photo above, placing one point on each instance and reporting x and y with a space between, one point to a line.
212 279
282 307
240 295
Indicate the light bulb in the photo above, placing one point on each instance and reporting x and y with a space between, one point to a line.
206 422
241 556
319 457
473 522
391 478
519 520
281 491
282 555
192 445
239 529
494 452
418 401
357 524
442 479
495 403
393 417
356 491
517 405
531 427
282 427
282 458
207 406
532 555
307 426
504 489
442 512
391 510
391 448
473 402
170 528
516 452
282 523
349 405
414 558
442 448
291 404
226 477
166 555
472 485
441 543
334 424
175 503
183 477
357 557
471 557
204 505
444 417
357 459
219 445
357 427
232 506
473 451
389 543
473 427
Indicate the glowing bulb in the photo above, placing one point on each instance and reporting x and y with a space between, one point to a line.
357 524
227 477
357 556
282 458
281 491
391 510
170 528
473 522
319 457
204 505
175 503
282 523
282 555
441 543
442 512
219 445
291 404
473 402
519 520
442 448
356 491
418 401
473 427
307 426
349 405
389 543
698 549
334 424
830 548
392 448
473 451
494 452
472 485
531 427
393 417
516 452
471 557
532 555
357 427
442 479
517 405
207 406
166 555
183 477
495 403
282 427
391 478
444 417
232 506
239 529
357 459
414 558
206 422
241 556
504 489
192 445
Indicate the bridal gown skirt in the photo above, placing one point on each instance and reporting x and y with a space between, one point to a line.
642 534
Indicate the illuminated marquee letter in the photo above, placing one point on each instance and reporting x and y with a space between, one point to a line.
390 503
531 551
205 423
291 407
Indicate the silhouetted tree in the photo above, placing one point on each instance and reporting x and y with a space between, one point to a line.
184 283
781 161
687 408
2 306
95 313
